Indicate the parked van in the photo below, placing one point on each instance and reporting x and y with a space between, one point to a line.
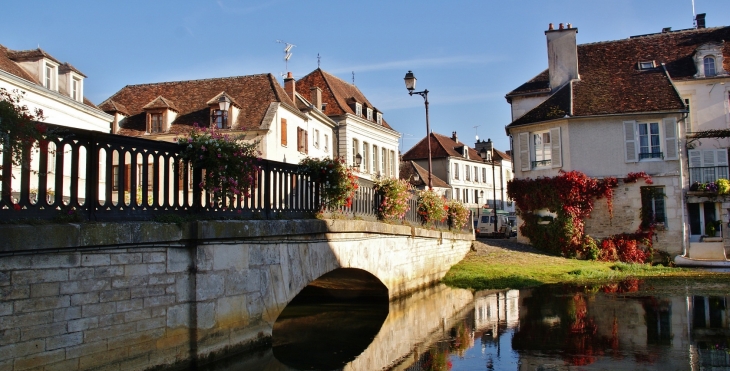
485 226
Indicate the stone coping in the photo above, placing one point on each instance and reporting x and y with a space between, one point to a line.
29 238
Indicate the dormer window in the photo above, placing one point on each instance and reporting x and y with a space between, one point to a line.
379 118
50 76
358 109
370 114
155 123
76 89
647 65
709 64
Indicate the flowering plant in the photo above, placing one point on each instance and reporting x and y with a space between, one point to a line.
337 182
19 128
395 194
458 215
431 207
230 164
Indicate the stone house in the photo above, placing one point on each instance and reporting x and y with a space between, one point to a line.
361 128
626 106
471 180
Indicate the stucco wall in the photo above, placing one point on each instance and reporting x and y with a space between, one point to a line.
144 294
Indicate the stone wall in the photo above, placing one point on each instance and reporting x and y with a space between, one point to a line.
131 296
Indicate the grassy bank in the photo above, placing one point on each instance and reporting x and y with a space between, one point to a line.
502 264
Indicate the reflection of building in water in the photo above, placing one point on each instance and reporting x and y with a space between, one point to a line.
495 311
709 331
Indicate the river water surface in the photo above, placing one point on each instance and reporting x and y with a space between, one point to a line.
631 325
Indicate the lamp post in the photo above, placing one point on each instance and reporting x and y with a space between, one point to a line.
358 161
410 80
487 154
224 103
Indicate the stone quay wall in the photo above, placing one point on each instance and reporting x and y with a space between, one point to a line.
132 296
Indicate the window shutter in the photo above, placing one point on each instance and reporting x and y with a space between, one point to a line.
630 141
695 158
306 141
524 148
721 157
670 139
708 158
127 177
555 150
283 132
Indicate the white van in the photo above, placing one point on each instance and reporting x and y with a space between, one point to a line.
485 226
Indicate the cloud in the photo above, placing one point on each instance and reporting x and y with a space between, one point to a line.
415 63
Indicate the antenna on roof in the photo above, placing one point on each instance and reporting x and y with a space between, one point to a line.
319 59
287 51
353 77
475 132
694 15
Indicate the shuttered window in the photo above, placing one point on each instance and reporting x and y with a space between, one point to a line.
283 132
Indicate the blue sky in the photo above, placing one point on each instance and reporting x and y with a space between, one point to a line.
468 54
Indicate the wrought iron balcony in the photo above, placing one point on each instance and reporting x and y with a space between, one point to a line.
541 163
707 174
646 155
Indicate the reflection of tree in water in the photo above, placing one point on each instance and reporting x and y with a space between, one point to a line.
556 320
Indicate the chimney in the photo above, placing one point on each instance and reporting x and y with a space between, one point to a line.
289 85
562 55
700 20
454 137
316 97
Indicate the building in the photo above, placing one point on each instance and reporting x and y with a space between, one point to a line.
612 108
471 180
417 176
361 128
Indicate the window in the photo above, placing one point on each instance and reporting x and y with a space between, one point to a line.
709 62
327 142
76 89
369 114
283 132
466 195
646 65
155 122
375 159
652 205
467 172
392 163
649 144
218 122
542 154
302 140
484 175
688 120
379 118
457 195
365 156
383 160
358 109
355 148
476 196
50 76
316 138
456 171
476 174
707 165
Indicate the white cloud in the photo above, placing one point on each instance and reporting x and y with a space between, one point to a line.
415 63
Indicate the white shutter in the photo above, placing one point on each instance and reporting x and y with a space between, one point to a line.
630 141
670 139
524 148
708 158
695 158
721 157
555 150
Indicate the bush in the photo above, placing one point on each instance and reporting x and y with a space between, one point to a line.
19 128
230 164
431 207
338 184
458 215
395 194
723 186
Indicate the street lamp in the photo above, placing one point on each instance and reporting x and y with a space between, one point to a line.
487 154
410 80
358 161
224 103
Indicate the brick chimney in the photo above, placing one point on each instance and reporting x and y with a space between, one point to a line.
562 54
289 85
454 137
316 97
700 20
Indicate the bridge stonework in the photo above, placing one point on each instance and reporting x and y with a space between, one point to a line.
139 295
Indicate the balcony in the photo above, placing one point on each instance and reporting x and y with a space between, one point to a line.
651 155
543 163
707 174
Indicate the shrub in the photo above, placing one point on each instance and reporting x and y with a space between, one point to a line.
395 194
458 215
231 166
723 186
336 181
431 207
19 128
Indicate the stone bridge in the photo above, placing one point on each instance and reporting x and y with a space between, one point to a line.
144 294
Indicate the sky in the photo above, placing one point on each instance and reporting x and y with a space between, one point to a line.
468 54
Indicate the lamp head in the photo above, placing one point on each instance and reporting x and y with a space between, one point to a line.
224 103
410 80
358 160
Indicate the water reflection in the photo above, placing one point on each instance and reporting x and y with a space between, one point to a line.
631 325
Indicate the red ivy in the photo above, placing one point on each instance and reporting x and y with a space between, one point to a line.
633 177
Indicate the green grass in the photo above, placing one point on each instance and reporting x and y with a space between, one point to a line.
503 269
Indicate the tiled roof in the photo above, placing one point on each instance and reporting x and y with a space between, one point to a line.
254 94
161 102
111 106
409 168
336 93
9 66
611 83
65 67
24 55
441 147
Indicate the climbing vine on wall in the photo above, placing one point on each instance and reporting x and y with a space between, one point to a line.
571 197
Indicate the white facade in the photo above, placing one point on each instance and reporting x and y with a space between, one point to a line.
377 145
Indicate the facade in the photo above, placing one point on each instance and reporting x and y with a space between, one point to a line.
417 175
361 128
617 107
471 180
